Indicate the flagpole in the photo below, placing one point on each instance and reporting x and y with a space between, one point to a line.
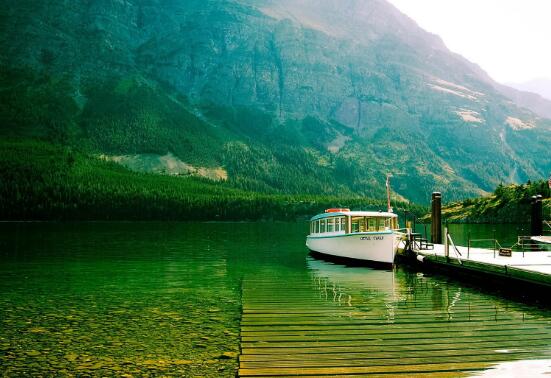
389 208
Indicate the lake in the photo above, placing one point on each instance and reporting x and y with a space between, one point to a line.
174 299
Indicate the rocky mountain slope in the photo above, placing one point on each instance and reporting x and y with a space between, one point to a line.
541 86
282 95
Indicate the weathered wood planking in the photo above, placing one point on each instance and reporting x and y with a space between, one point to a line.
370 355
404 325
407 369
299 326
428 360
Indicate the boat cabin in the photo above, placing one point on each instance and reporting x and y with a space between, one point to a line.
344 221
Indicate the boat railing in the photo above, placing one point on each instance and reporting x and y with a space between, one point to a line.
405 231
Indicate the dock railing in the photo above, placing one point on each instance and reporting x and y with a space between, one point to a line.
495 243
528 244
419 242
447 243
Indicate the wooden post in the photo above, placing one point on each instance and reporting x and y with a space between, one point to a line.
425 228
436 226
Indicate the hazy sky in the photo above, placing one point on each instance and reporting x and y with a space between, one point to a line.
509 39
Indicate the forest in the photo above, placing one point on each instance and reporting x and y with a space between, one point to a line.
508 204
46 181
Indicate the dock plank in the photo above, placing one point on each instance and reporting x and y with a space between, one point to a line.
423 368
363 362
532 350
296 326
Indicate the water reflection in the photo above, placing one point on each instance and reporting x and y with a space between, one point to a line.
437 316
173 299
347 285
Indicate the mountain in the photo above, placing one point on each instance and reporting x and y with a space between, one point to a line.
541 86
286 96
534 95
528 100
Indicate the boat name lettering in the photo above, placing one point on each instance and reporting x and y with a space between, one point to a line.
374 238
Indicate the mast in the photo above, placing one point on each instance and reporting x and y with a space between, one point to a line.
388 176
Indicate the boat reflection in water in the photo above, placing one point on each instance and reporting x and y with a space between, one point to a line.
432 323
353 278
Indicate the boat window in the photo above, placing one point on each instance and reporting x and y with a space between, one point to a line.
340 224
317 227
381 222
330 224
371 224
356 224
322 226
363 224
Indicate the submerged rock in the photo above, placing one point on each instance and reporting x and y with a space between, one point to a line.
228 355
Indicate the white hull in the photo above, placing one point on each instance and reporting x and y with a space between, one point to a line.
379 247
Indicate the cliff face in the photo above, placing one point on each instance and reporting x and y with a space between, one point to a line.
386 95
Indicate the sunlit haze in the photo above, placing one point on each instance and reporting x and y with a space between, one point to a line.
509 39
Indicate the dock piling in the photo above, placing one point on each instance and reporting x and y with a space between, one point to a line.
436 226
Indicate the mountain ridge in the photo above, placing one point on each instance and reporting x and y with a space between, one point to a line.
541 86
221 83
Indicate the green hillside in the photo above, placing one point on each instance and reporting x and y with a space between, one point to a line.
508 204
43 181
278 98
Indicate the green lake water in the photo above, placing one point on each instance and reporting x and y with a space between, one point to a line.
156 299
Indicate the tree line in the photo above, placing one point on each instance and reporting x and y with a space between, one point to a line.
46 181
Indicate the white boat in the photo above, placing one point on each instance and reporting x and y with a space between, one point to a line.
367 236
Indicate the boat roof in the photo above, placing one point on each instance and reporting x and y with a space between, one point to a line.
374 214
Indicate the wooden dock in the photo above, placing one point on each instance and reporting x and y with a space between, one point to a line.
333 320
531 267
